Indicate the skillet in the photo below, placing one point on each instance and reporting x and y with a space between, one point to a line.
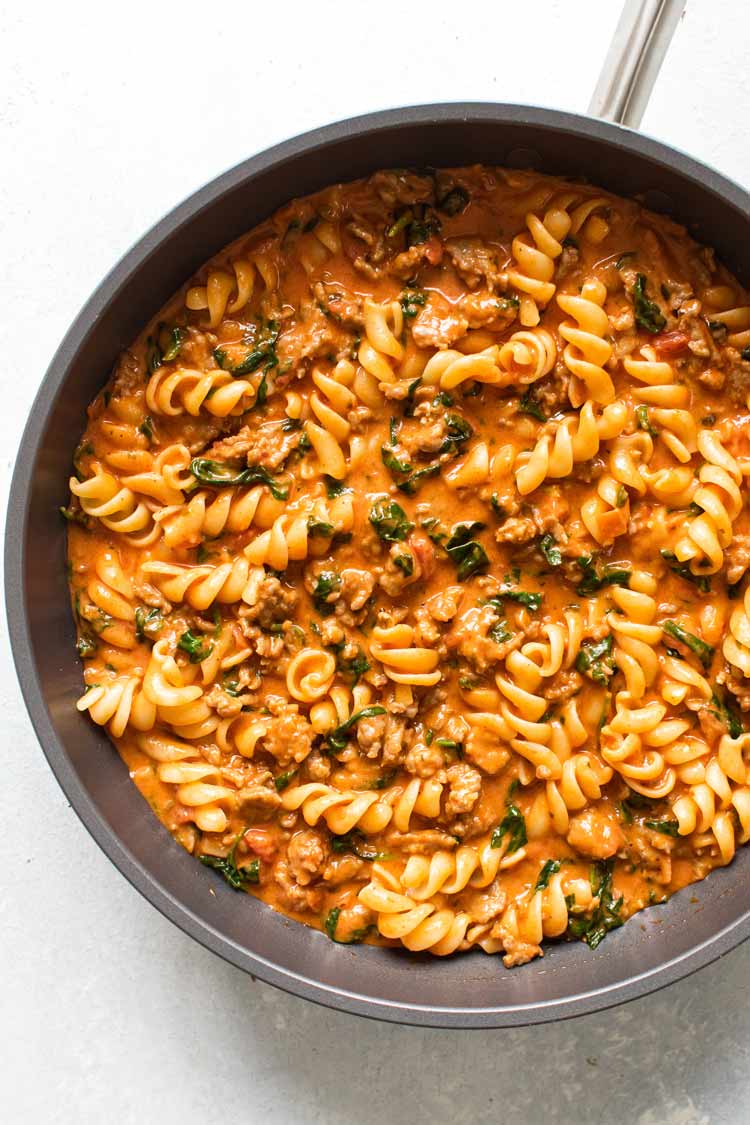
657 947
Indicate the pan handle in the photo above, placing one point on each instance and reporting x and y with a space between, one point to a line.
634 59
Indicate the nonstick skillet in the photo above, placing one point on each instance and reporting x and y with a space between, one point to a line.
659 946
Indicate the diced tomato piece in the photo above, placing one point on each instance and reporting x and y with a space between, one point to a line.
670 343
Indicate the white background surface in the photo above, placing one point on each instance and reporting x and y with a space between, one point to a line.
109 115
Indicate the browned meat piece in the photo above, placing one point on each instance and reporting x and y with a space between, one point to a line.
128 376
474 824
474 260
440 608
148 594
438 324
402 187
740 689
318 766
517 951
267 647
622 319
567 262
425 432
342 869
465 787
424 761
292 895
267 445
700 342
551 393
595 833
370 734
356 587
396 742
331 633
240 772
486 310
343 306
550 511
258 799
472 643
364 264
407 264
737 557
408 563
425 437
681 298
311 335
485 750
735 682
198 433
426 631
711 726
713 378
306 855
289 737
273 605
364 246
444 606
649 851
517 529
738 380
423 550
360 229
483 906
562 686
225 705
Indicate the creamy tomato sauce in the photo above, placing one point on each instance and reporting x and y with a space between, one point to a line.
408 551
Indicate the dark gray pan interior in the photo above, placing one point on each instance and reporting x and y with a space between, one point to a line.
658 946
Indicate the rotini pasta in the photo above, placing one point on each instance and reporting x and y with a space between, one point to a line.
185 391
587 348
535 255
719 497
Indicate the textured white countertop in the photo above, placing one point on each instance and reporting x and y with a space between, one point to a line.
109 115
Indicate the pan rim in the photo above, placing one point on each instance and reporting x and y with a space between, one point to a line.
201 930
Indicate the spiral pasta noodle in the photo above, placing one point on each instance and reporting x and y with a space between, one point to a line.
403 661
418 926
289 538
736 647
223 293
534 254
208 515
587 349
118 703
370 812
720 499
186 391
103 497
575 439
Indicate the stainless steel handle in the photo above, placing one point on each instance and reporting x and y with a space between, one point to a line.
634 59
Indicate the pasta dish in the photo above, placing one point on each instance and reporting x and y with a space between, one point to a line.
408 550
